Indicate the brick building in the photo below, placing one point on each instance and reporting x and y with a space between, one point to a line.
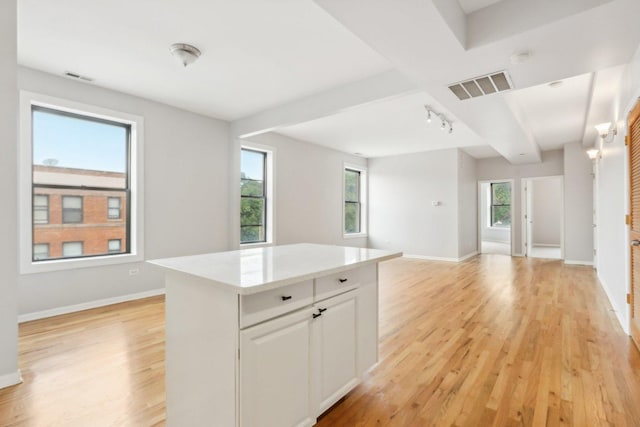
78 212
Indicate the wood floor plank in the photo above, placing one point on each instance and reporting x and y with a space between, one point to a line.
490 341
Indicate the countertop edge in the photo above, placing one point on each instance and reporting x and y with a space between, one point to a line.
283 282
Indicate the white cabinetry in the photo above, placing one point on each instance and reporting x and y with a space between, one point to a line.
334 350
275 372
268 337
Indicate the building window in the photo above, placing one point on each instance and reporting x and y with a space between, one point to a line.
354 201
40 209
114 245
86 159
40 251
253 196
72 249
71 209
113 207
500 204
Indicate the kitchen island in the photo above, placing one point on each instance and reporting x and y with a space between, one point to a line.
268 337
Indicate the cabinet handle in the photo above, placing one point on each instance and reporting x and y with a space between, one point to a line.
285 298
342 280
322 310
316 315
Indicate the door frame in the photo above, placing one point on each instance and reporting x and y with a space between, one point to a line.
524 196
479 238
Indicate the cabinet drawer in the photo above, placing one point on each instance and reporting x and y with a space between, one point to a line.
338 283
269 304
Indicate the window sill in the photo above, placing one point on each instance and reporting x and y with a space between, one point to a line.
354 235
255 245
503 227
31 267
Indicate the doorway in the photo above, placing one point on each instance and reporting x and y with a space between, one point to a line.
494 218
543 213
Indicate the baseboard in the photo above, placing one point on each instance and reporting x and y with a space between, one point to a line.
437 258
575 262
10 379
87 305
617 310
546 245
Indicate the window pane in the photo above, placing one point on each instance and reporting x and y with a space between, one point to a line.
251 188
40 209
114 202
71 249
71 210
501 216
501 193
251 211
252 164
351 186
351 217
252 234
113 210
96 150
40 251
114 245
72 202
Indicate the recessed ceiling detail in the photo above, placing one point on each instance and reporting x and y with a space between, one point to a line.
483 85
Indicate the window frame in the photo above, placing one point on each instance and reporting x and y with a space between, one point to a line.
492 205
135 202
269 193
363 200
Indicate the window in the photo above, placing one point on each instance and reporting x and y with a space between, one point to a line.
72 249
40 251
500 204
354 201
40 210
113 208
86 160
114 246
71 209
253 196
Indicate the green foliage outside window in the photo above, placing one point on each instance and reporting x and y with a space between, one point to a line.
501 204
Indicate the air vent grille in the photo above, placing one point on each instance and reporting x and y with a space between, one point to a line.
483 85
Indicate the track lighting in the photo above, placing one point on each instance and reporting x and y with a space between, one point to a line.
444 123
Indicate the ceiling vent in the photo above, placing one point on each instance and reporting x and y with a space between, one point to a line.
78 76
483 85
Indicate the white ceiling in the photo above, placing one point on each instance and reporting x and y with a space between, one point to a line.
326 72
255 53
385 128
470 6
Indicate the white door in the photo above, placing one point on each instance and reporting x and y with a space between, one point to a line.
334 349
275 372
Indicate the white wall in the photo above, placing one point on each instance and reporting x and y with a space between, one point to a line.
8 188
546 195
497 168
612 203
578 205
186 192
488 233
401 214
308 191
467 205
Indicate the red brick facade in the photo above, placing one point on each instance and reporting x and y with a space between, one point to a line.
95 230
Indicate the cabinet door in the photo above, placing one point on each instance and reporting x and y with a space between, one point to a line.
334 350
275 372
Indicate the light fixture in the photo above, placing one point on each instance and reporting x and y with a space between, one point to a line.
593 153
606 131
444 123
185 53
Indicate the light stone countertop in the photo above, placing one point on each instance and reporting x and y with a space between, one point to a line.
249 271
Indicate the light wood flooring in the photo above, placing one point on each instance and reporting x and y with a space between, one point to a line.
491 341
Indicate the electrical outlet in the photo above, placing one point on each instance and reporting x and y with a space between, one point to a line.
134 272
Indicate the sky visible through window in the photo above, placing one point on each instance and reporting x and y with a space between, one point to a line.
252 165
76 143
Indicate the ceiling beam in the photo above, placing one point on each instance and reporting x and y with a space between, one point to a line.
386 85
